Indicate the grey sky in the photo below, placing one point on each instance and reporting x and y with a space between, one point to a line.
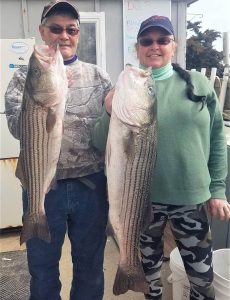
214 14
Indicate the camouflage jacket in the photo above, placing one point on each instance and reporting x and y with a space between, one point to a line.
88 87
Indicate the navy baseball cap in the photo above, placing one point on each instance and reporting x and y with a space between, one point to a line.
156 21
58 5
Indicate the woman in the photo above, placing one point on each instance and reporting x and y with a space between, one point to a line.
191 164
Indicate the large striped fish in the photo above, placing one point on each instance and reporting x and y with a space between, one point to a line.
41 127
130 156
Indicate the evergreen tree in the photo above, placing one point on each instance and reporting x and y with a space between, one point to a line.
200 52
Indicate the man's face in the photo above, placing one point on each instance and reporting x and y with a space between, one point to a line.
52 33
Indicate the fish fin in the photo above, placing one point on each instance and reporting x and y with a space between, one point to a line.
147 217
129 144
108 154
19 172
50 120
109 229
53 185
35 226
130 278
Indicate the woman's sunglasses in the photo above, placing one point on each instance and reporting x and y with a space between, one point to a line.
163 40
58 30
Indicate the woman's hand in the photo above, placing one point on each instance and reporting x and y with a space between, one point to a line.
219 208
109 100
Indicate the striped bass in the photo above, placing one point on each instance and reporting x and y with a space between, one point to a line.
41 127
130 156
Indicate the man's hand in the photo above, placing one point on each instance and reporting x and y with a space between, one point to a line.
219 208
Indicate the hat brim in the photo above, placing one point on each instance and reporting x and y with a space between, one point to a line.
152 26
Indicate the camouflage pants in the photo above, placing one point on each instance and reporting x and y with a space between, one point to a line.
191 231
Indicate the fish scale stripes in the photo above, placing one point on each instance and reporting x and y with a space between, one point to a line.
41 127
130 156
137 174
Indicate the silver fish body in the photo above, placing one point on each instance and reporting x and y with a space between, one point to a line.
41 128
130 156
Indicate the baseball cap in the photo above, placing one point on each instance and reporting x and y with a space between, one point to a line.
57 4
156 21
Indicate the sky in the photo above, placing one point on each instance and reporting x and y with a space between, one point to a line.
214 14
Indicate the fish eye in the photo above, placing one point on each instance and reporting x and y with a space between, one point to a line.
150 90
35 72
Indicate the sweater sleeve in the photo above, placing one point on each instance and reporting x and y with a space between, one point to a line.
13 100
100 131
217 163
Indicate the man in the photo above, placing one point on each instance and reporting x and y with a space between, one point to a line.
78 205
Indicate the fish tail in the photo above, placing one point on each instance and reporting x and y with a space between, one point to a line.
35 226
130 280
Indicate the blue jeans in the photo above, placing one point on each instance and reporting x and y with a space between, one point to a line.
75 208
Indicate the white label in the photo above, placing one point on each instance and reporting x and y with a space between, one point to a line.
19 47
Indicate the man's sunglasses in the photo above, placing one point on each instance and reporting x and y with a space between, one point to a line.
58 30
163 40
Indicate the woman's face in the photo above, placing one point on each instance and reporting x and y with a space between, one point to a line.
155 48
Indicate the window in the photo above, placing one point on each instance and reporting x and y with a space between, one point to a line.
91 46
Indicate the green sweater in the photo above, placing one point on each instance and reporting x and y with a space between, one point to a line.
191 163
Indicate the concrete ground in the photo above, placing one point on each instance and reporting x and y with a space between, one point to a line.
10 242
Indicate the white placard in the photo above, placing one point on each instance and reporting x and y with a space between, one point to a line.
134 12
14 53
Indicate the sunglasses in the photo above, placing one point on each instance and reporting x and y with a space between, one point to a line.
58 30
162 41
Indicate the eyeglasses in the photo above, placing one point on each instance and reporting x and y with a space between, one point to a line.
58 30
162 41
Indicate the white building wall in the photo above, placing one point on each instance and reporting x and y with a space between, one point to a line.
20 19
